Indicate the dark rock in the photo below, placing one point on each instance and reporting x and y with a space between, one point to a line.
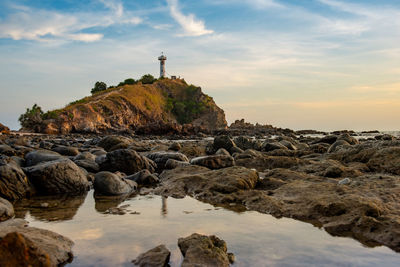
201 250
114 142
214 161
143 178
46 145
57 177
160 158
329 139
236 149
108 183
247 143
222 151
156 257
7 150
66 151
127 161
13 181
223 141
88 165
172 164
337 145
6 210
270 146
29 246
386 160
385 137
39 156
175 146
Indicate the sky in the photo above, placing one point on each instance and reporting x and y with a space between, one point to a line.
304 64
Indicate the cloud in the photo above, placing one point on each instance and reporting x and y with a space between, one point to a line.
189 23
27 23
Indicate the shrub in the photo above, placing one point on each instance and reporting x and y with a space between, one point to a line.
130 81
147 79
99 86
31 117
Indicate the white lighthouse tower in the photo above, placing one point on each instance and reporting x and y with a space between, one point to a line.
162 59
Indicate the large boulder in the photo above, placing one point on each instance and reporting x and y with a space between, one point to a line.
386 160
143 178
161 158
214 162
270 146
110 184
223 141
66 150
39 156
58 177
13 182
6 210
28 246
206 184
156 257
87 161
114 142
245 143
201 250
127 161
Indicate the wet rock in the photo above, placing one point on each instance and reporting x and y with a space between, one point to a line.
114 142
88 165
108 183
127 161
223 141
214 161
39 156
172 164
201 250
161 158
66 151
57 177
245 143
175 146
156 257
29 246
143 178
270 146
13 182
6 210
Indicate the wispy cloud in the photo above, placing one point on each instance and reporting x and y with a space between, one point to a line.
190 24
27 23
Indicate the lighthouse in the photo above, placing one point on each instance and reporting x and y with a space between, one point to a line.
162 59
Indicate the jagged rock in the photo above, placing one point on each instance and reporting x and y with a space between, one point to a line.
143 178
201 250
13 181
29 246
39 156
66 151
337 145
114 142
127 161
58 177
223 141
247 143
214 161
172 164
108 183
6 210
156 257
161 158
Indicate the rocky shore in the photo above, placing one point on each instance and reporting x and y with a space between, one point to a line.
346 185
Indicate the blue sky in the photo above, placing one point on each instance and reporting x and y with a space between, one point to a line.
321 64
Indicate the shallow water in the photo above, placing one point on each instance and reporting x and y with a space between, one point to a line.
255 239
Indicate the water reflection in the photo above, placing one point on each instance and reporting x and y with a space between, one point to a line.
50 208
104 203
164 208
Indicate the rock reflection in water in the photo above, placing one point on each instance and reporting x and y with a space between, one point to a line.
104 203
164 208
50 208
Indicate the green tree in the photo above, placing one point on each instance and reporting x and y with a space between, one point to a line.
32 117
130 81
99 86
147 79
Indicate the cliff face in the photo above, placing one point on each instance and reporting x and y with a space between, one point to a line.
165 104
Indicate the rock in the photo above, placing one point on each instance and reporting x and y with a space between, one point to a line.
329 139
236 149
6 210
222 151
214 162
127 161
143 178
270 146
386 160
46 145
39 156
109 184
344 181
385 137
175 146
257 160
156 257
29 246
66 151
204 183
4 129
223 141
13 182
201 250
7 150
114 142
337 145
160 158
58 177
349 139
288 145
88 165
172 164
245 143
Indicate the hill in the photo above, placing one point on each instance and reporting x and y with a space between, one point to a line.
166 106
